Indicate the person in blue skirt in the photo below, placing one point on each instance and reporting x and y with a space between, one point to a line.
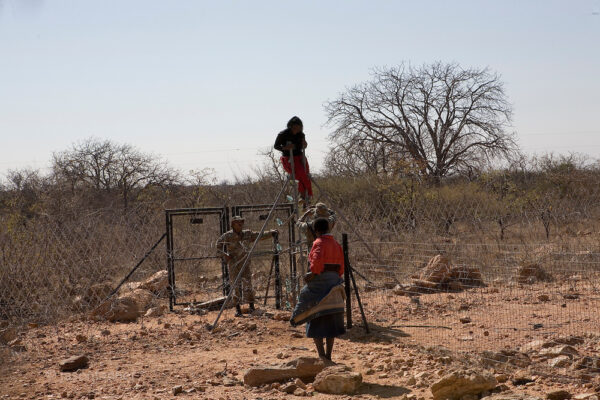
326 269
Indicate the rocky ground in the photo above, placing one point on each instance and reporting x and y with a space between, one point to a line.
493 342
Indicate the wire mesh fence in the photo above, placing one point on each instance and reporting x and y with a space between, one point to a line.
509 280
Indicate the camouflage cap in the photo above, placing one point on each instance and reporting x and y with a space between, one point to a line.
237 218
321 209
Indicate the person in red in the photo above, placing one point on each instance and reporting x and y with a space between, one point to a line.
326 269
293 139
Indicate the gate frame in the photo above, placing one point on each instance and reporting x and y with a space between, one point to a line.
224 222
223 213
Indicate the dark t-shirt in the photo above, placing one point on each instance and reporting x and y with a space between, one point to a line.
286 136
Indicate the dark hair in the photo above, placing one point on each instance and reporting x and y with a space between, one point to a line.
294 121
321 225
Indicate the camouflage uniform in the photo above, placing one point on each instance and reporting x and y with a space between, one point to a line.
238 246
320 210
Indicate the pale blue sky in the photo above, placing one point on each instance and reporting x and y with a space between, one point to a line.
208 84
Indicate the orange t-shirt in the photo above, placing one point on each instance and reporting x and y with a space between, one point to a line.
326 250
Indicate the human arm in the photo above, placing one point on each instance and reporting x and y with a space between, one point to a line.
221 248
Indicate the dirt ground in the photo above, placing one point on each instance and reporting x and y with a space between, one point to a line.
413 341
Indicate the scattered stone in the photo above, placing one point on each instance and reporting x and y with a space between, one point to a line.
81 338
563 350
300 384
155 311
570 296
560 362
282 316
558 395
73 363
544 297
512 396
185 336
462 383
288 388
299 392
177 390
521 378
465 320
305 368
105 332
586 396
337 380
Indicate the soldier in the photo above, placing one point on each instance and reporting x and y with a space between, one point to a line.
239 241
320 210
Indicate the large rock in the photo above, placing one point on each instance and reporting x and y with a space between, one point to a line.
461 383
157 283
305 368
117 310
437 270
73 363
337 379
531 273
563 350
125 308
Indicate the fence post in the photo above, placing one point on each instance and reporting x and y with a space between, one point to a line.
347 281
277 274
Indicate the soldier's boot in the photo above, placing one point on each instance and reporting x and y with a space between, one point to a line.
252 308
238 311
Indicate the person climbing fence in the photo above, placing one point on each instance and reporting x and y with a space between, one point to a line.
292 139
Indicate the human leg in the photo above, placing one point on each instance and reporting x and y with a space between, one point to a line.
319 346
329 341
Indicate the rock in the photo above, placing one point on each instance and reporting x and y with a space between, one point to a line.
437 270
177 389
299 392
105 332
490 358
543 297
571 340
587 362
157 283
465 320
560 362
300 384
337 380
73 363
155 311
586 396
512 396
117 310
558 395
282 316
8 335
461 383
81 338
289 388
305 368
531 273
563 350
534 346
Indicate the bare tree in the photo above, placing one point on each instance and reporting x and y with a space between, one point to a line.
107 166
443 118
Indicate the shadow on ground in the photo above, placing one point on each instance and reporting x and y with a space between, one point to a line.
382 391
377 334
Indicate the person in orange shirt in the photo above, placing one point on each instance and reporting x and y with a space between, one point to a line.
326 269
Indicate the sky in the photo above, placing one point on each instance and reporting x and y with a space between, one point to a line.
209 84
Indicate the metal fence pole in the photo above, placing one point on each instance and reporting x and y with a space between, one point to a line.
347 282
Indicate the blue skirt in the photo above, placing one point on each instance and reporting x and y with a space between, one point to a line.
326 326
